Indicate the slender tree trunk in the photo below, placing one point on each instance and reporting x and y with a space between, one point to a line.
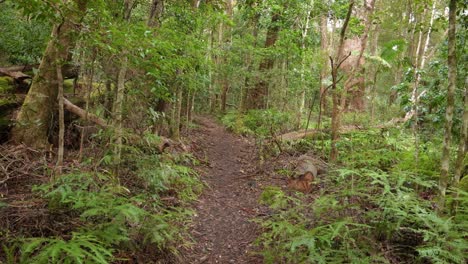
452 82
118 109
462 150
35 116
335 124
61 138
324 70
227 42
177 114
246 89
302 94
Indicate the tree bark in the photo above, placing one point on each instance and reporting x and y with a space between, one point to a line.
462 150
156 10
258 94
335 122
35 116
357 97
225 82
118 108
452 82
61 138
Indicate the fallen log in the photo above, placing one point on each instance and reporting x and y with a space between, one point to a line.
132 138
70 71
295 135
16 75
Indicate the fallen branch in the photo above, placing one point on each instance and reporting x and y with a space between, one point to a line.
83 114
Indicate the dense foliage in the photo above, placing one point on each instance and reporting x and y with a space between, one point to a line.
376 89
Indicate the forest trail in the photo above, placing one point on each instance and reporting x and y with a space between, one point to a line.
222 227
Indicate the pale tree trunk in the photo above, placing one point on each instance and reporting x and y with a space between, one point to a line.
129 5
302 95
118 109
452 82
35 116
61 119
324 70
373 91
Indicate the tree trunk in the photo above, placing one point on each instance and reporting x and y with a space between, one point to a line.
177 114
35 116
249 61
324 70
156 10
258 94
302 95
355 77
118 109
452 82
225 82
61 120
335 123
462 149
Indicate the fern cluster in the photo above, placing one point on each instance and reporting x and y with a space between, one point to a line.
110 214
376 209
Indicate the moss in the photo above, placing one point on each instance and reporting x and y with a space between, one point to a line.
6 85
68 86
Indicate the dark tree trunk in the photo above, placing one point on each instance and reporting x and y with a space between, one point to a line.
258 94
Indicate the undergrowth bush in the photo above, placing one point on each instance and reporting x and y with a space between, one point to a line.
378 208
260 123
142 204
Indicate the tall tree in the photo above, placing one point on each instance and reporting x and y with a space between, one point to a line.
35 117
335 65
257 98
452 82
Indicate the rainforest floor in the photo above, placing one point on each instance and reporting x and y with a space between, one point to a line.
222 228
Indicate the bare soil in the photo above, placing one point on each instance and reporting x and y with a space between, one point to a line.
223 230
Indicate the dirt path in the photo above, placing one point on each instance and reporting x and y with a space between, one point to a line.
222 228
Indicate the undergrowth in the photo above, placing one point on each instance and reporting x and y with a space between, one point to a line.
377 207
110 213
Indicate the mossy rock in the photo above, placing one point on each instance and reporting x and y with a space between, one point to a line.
6 85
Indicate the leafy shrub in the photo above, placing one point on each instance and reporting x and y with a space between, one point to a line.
261 123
